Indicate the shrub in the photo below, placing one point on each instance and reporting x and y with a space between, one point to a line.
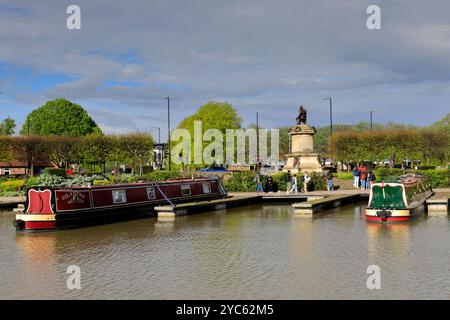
45 180
318 182
12 185
12 193
439 178
386 173
163 175
279 181
100 182
240 181
56 172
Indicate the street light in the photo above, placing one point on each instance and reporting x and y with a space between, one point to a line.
331 128
168 129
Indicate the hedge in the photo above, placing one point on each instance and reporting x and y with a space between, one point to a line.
56 172
12 185
439 178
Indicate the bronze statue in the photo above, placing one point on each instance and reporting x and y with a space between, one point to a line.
301 118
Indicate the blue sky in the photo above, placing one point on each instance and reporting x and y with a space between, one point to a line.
265 56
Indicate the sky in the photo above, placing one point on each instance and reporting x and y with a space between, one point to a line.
259 55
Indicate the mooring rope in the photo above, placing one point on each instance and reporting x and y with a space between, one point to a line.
167 199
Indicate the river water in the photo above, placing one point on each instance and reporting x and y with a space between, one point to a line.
254 252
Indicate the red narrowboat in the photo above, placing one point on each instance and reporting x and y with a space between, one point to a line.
71 207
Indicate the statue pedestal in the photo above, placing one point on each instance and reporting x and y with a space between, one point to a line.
302 157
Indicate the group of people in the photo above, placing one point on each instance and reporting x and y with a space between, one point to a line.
269 183
292 185
362 177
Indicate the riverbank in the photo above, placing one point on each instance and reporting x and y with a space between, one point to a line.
11 202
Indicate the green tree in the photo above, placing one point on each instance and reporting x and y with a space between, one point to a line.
59 117
137 149
7 127
213 115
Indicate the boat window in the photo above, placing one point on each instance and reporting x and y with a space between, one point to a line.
206 187
119 196
185 190
151 193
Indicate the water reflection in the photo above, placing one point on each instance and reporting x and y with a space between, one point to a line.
254 252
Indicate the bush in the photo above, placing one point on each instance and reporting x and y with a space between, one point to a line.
318 182
240 181
344 175
45 180
279 181
12 194
101 182
56 172
12 185
163 175
386 173
439 178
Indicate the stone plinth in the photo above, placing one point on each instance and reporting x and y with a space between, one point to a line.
302 156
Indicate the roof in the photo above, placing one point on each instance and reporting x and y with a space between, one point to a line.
24 164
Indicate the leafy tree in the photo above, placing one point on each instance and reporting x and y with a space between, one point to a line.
137 149
62 150
30 149
7 127
59 117
213 115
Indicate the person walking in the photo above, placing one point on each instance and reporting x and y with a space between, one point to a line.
270 183
330 180
294 184
363 175
287 179
259 186
355 173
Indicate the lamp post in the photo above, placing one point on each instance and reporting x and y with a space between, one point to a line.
331 128
168 129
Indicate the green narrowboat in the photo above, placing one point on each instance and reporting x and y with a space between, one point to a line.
397 200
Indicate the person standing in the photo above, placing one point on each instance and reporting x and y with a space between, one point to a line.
294 184
330 180
305 179
368 179
270 183
287 179
259 187
355 173
363 175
